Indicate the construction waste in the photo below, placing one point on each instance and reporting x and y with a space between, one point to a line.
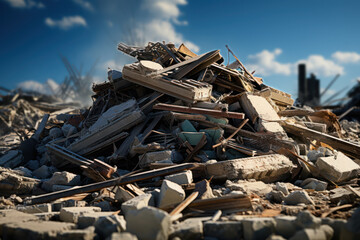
178 146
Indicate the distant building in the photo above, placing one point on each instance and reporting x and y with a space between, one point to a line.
308 88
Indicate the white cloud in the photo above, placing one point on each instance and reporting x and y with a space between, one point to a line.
49 87
66 22
265 63
84 4
158 24
25 4
346 57
319 65
112 64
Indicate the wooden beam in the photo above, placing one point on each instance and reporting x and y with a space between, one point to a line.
215 113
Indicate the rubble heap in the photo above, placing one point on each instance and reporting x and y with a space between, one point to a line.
179 146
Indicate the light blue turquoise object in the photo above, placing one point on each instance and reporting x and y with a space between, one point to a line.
192 137
186 126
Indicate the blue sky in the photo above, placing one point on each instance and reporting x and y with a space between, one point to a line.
271 37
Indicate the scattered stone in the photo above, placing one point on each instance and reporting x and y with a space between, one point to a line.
138 202
181 178
105 226
148 223
83 234
48 216
313 183
170 194
224 230
23 171
258 187
11 159
275 196
88 219
338 168
306 220
341 196
298 197
189 229
62 178
71 214
285 226
282 187
33 165
204 189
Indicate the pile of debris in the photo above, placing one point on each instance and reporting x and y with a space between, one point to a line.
179 146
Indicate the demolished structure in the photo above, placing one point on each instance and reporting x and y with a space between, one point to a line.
179 146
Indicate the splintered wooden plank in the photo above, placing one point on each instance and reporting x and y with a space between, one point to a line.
215 113
349 148
234 202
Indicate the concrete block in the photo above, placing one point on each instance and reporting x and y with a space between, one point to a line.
189 229
297 197
148 223
342 196
39 208
338 168
55 132
285 226
282 187
306 220
170 194
35 229
226 230
61 178
88 219
181 178
260 111
71 214
258 228
266 168
313 183
152 157
48 216
105 226
11 159
138 202
58 205
23 171
78 234
122 236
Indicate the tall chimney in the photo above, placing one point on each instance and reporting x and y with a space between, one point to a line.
302 89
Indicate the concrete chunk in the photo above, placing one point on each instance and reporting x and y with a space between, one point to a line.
181 178
71 214
78 234
338 168
298 197
266 168
39 208
149 223
88 219
105 226
189 229
152 157
138 202
10 215
226 230
170 193
122 236
258 228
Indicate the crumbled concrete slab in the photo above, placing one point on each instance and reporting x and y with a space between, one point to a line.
88 219
338 168
223 230
258 187
258 228
148 223
138 202
341 196
181 178
297 197
306 220
11 215
266 168
191 228
39 208
282 187
42 172
35 229
105 226
170 194
260 111
61 178
71 214
152 157
48 216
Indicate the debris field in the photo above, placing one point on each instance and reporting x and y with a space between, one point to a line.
177 146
